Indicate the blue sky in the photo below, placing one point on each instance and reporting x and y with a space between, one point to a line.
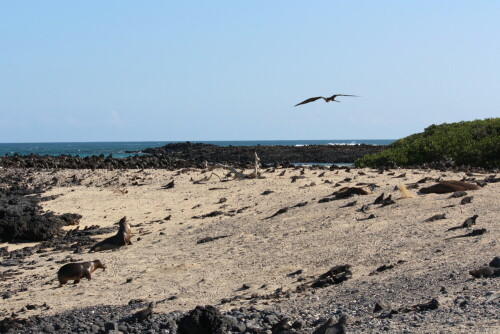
233 70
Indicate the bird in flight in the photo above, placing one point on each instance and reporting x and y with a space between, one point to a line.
327 99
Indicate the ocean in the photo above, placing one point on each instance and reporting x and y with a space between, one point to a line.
119 149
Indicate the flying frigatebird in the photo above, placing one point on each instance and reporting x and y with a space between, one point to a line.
327 99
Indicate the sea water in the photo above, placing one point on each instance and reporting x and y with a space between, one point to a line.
122 149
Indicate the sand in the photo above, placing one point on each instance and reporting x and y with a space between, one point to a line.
166 261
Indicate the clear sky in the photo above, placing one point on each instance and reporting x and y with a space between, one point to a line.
233 70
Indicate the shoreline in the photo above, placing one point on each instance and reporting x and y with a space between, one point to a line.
125 148
184 155
261 250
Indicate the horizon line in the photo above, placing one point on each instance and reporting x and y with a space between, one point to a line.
185 141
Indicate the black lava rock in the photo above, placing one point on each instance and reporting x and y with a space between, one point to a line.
203 320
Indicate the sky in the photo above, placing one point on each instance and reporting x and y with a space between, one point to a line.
233 70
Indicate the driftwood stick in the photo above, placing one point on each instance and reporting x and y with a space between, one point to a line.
255 173
240 175
205 179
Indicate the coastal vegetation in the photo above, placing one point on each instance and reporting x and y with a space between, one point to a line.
475 143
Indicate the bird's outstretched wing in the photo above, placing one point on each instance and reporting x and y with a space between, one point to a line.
335 95
312 99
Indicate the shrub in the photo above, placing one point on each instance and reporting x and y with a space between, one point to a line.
475 143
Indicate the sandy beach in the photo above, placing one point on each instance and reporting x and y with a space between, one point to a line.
257 254
323 167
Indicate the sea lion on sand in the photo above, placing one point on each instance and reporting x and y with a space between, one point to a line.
122 238
444 187
77 271
347 192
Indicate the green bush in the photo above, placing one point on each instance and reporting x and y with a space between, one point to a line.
475 143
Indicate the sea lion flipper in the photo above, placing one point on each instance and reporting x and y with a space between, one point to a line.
86 272
96 248
106 244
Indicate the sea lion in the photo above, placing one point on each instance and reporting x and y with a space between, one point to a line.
122 238
77 271
347 192
445 187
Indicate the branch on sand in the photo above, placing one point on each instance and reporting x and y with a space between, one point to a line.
205 179
237 175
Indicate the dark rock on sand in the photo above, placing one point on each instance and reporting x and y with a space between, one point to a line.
282 327
388 201
142 314
327 199
335 275
204 320
297 177
466 224
381 306
495 262
425 179
433 304
11 324
473 233
333 327
458 194
347 205
436 217
385 267
371 216
485 272
209 215
21 216
343 193
466 200
364 208
295 273
279 212
381 268
169 185
16 225
492 179
379 199
208 239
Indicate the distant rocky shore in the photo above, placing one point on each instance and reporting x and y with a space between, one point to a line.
183 155
198 152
